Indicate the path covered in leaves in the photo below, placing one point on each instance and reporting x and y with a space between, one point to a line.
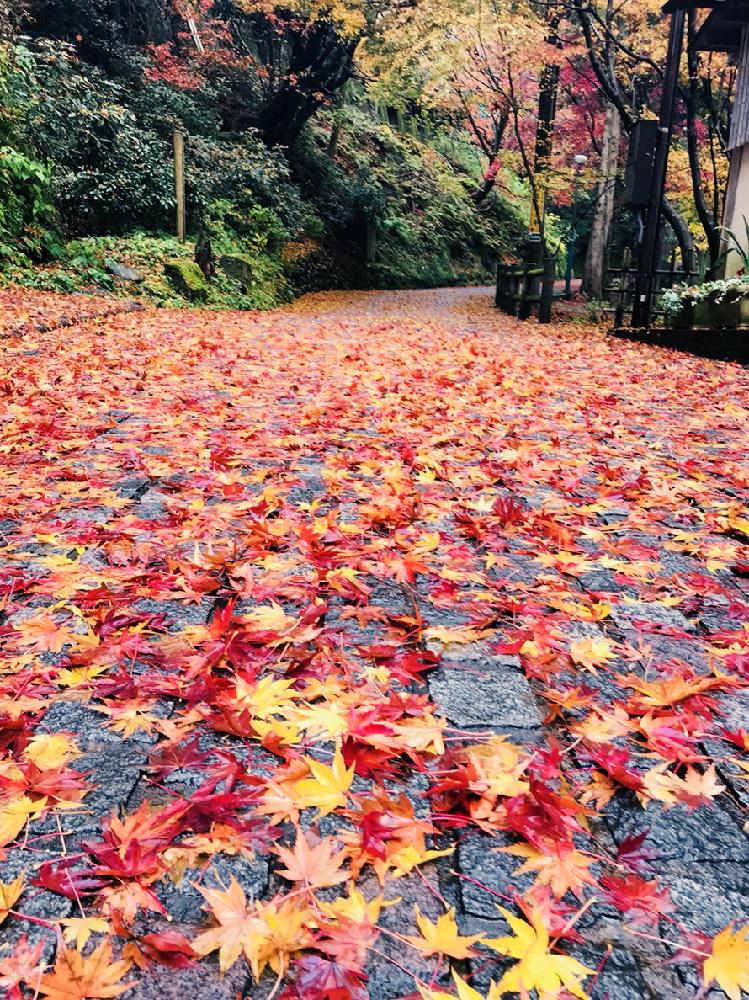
381 647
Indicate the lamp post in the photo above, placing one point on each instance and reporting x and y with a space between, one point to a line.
647 263
579 160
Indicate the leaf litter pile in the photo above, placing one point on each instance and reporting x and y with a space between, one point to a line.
381 647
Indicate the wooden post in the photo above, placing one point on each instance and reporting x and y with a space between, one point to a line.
179 182
547 289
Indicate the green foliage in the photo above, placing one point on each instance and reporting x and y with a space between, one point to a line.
111 147
98 145
429 231
26 212
81 267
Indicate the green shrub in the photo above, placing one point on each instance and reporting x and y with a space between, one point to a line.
429 231
26 212
109 144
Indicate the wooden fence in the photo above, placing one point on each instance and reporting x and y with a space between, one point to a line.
521 288
620 287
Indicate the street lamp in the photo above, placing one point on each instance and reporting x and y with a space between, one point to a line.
579 160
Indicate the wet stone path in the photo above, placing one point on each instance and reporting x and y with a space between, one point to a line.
460 604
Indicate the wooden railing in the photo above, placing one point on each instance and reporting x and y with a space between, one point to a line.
620 286
521 288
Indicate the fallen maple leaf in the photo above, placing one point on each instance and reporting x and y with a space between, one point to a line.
79 929
78 977
325 791
22 965
728 964
465 992
536 969
591 653
315 864
643 901
9 893
14 815
442 937
50 751
562 869
239 927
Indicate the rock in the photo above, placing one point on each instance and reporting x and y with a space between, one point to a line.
477 857
239 267
122 271
386 981
187 278
492 692
627 613
708 833
707 896
202 980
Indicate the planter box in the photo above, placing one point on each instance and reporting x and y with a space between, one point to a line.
692 314
730 313
684 318
701 315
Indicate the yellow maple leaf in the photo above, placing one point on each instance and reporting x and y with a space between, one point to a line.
79 929
355 907
442 937
591 653
13 816
536 969
288 930
266 697
327 719
9 893
408 857
728 964
326 790
465 992
735 522
459 635
51 750
78 676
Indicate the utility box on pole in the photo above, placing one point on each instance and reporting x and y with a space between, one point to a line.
638 177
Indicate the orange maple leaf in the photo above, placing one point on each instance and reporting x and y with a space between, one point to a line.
78 977
316 864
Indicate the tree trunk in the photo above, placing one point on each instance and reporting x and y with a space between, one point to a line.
690 95
335 135
595 260
683 236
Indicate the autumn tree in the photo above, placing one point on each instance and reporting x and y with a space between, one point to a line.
302 60
626 48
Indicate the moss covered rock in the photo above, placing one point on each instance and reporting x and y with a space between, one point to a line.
187 278
239 267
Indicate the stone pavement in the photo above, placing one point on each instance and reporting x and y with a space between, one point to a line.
551 515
